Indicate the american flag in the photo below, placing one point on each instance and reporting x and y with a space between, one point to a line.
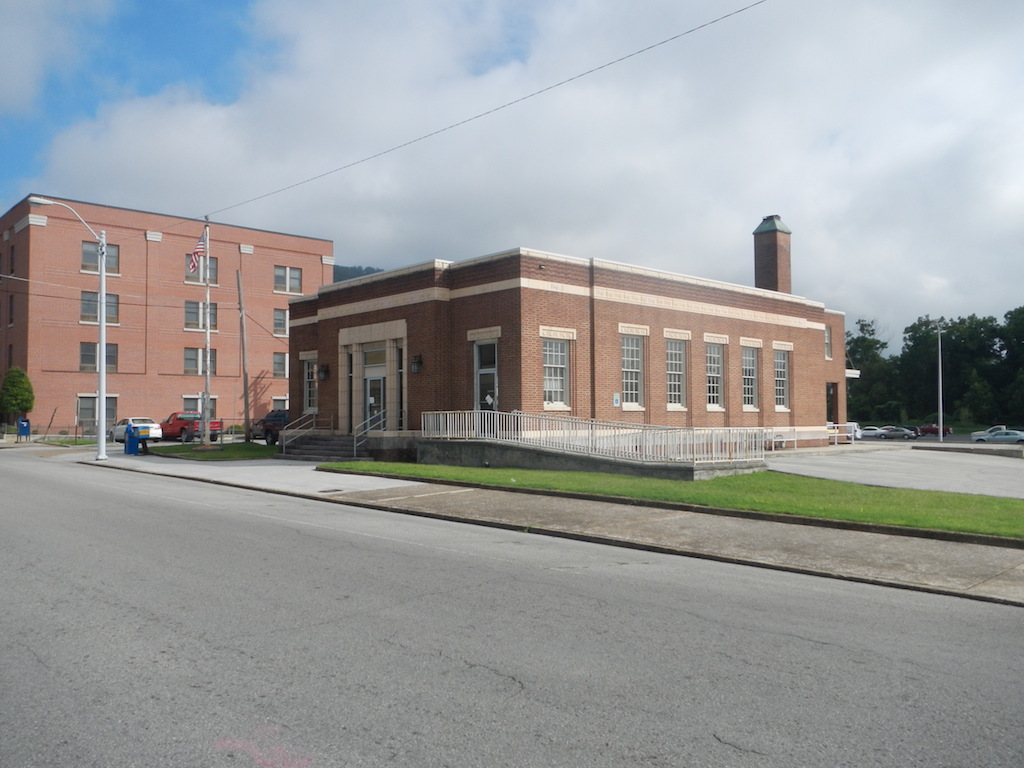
198 252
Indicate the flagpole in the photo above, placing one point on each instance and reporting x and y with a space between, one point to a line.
206 323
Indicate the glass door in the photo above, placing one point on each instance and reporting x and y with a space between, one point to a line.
375 405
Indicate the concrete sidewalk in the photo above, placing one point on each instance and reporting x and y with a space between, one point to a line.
974 567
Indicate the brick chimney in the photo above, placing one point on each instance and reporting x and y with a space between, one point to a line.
772 268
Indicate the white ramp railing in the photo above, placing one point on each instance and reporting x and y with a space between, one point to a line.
619 440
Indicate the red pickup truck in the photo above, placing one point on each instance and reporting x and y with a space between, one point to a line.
188 425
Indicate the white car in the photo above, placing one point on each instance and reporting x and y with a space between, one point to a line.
983 434
116 434
870 431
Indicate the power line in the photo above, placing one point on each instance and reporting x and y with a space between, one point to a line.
492 111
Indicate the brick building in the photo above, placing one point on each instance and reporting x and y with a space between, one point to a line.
541 333
156 318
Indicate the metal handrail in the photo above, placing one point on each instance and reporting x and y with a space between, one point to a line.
620 440
302 426
373 423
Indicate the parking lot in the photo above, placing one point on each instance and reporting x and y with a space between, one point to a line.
906 466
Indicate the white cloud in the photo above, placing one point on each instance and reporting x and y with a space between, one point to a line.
887 136
41 38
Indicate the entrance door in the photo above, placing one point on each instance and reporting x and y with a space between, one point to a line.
375 405
487 376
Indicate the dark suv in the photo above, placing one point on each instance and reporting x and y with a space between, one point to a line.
270 426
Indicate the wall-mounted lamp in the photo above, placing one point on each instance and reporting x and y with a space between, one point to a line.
323 372
417 363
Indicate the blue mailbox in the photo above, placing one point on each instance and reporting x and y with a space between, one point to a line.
131 440
24 429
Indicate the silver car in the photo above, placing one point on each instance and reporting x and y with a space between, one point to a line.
1001 436
897 433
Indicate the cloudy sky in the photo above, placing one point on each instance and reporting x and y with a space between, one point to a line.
889 135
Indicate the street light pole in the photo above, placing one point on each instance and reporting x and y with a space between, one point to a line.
101 347
938 327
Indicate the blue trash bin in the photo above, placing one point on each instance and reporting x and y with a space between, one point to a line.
131 440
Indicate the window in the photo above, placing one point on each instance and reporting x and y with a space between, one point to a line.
194 361
632 369
280 365
280 322
12 260
309 386
288 279
675 365
197 276
751 362
10 311
196 404
781 378
194 311
714 358
556 370
828 342
87 357
87 413
90 307
91 259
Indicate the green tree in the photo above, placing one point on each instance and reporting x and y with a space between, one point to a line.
978 403
1013 400
917 366
872 396
1011 348
16 395
972 357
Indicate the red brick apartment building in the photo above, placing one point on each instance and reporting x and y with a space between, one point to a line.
540 333
156 334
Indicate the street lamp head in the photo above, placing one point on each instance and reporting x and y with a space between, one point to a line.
36 200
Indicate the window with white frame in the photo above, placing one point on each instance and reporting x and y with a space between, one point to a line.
195 403
556 371
675 365
87 357
280 365
90 307
828 342
194 361
309 386
750 365
199 275
195 315
280 322
87 412
91 258
632 370
781 378
288 279
714 362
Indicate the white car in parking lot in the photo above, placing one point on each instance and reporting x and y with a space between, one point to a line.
116 434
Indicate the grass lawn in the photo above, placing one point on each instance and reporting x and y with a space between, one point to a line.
216 452
772 492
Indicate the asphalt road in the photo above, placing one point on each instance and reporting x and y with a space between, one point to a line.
151 622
